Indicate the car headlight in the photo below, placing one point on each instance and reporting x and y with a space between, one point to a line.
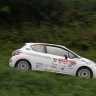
89 62
92 62
86 62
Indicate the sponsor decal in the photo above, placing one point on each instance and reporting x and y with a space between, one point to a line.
54 66
62 68
39 65
54 60
72 64
64 61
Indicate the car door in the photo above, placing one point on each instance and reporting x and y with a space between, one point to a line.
74 62
59 62
39 58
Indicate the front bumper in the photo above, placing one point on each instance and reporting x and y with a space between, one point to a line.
94 71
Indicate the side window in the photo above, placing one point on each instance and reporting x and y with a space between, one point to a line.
38 48
71 55
56 51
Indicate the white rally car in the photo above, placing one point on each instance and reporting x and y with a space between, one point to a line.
53 58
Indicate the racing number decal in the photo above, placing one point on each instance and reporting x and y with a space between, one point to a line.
54 60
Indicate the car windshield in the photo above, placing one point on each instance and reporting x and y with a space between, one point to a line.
71 55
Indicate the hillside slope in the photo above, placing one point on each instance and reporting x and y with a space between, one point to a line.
17 83
14 82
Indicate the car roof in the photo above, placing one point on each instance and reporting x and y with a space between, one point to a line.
29 44
45 44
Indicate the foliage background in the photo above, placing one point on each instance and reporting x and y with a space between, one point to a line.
71 23
53 21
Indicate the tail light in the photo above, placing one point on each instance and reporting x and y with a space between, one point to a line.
17 52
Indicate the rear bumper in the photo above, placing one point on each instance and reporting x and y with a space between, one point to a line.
13 61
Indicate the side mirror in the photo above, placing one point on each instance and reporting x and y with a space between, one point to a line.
65 56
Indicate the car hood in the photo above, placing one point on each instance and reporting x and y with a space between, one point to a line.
87 61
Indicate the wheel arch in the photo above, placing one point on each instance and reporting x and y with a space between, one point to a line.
30 65
84 67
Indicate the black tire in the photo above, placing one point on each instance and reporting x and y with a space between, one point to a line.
23 65
84 72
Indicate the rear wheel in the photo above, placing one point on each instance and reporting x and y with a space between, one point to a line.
84 72
23 65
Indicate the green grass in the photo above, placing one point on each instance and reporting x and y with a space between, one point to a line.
14 82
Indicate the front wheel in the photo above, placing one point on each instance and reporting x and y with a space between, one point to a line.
84 73
23 65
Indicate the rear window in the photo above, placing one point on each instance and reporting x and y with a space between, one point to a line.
38 47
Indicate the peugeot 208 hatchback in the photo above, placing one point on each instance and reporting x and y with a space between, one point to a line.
53 58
